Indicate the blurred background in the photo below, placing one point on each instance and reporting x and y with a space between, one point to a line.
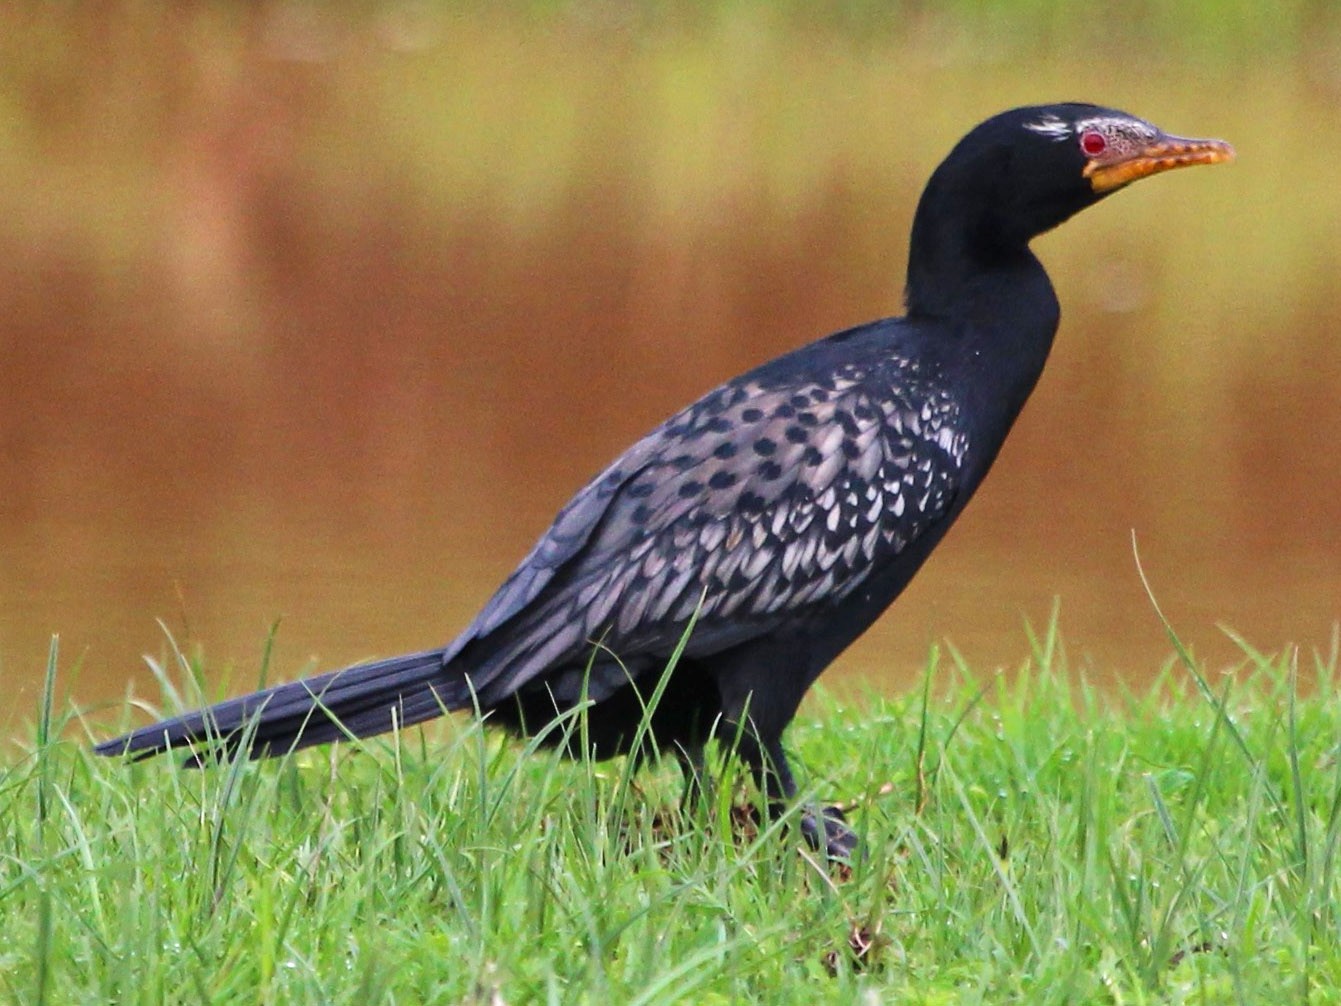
319 312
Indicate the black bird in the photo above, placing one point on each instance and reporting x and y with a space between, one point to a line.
781 513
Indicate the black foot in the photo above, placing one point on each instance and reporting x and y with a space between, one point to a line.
834 836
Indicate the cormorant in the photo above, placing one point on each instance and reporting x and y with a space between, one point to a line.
781 513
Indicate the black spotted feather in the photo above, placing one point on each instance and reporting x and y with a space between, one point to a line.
772 496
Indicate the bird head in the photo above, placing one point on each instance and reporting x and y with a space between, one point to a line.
1021 173
1034 167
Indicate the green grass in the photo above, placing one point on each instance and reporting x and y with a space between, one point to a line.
1029 840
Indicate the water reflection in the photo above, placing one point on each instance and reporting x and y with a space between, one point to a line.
301 387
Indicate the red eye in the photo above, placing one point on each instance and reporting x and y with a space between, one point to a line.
1093 142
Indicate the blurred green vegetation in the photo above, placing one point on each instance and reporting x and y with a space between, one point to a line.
683 108
117 120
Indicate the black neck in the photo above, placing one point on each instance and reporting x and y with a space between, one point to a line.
956 244
966 268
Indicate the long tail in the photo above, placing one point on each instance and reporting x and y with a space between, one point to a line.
359 701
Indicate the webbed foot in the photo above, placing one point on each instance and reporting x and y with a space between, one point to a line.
829 831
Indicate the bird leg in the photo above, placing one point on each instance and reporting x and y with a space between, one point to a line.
822 828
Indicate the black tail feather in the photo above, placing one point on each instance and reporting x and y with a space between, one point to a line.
359 701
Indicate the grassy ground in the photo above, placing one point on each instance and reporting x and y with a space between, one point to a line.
1028 840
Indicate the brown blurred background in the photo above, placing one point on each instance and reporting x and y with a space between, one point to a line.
322 315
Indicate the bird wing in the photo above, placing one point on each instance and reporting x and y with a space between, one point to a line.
765 499
566 537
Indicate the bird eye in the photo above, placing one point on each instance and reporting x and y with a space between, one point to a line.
1093 142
